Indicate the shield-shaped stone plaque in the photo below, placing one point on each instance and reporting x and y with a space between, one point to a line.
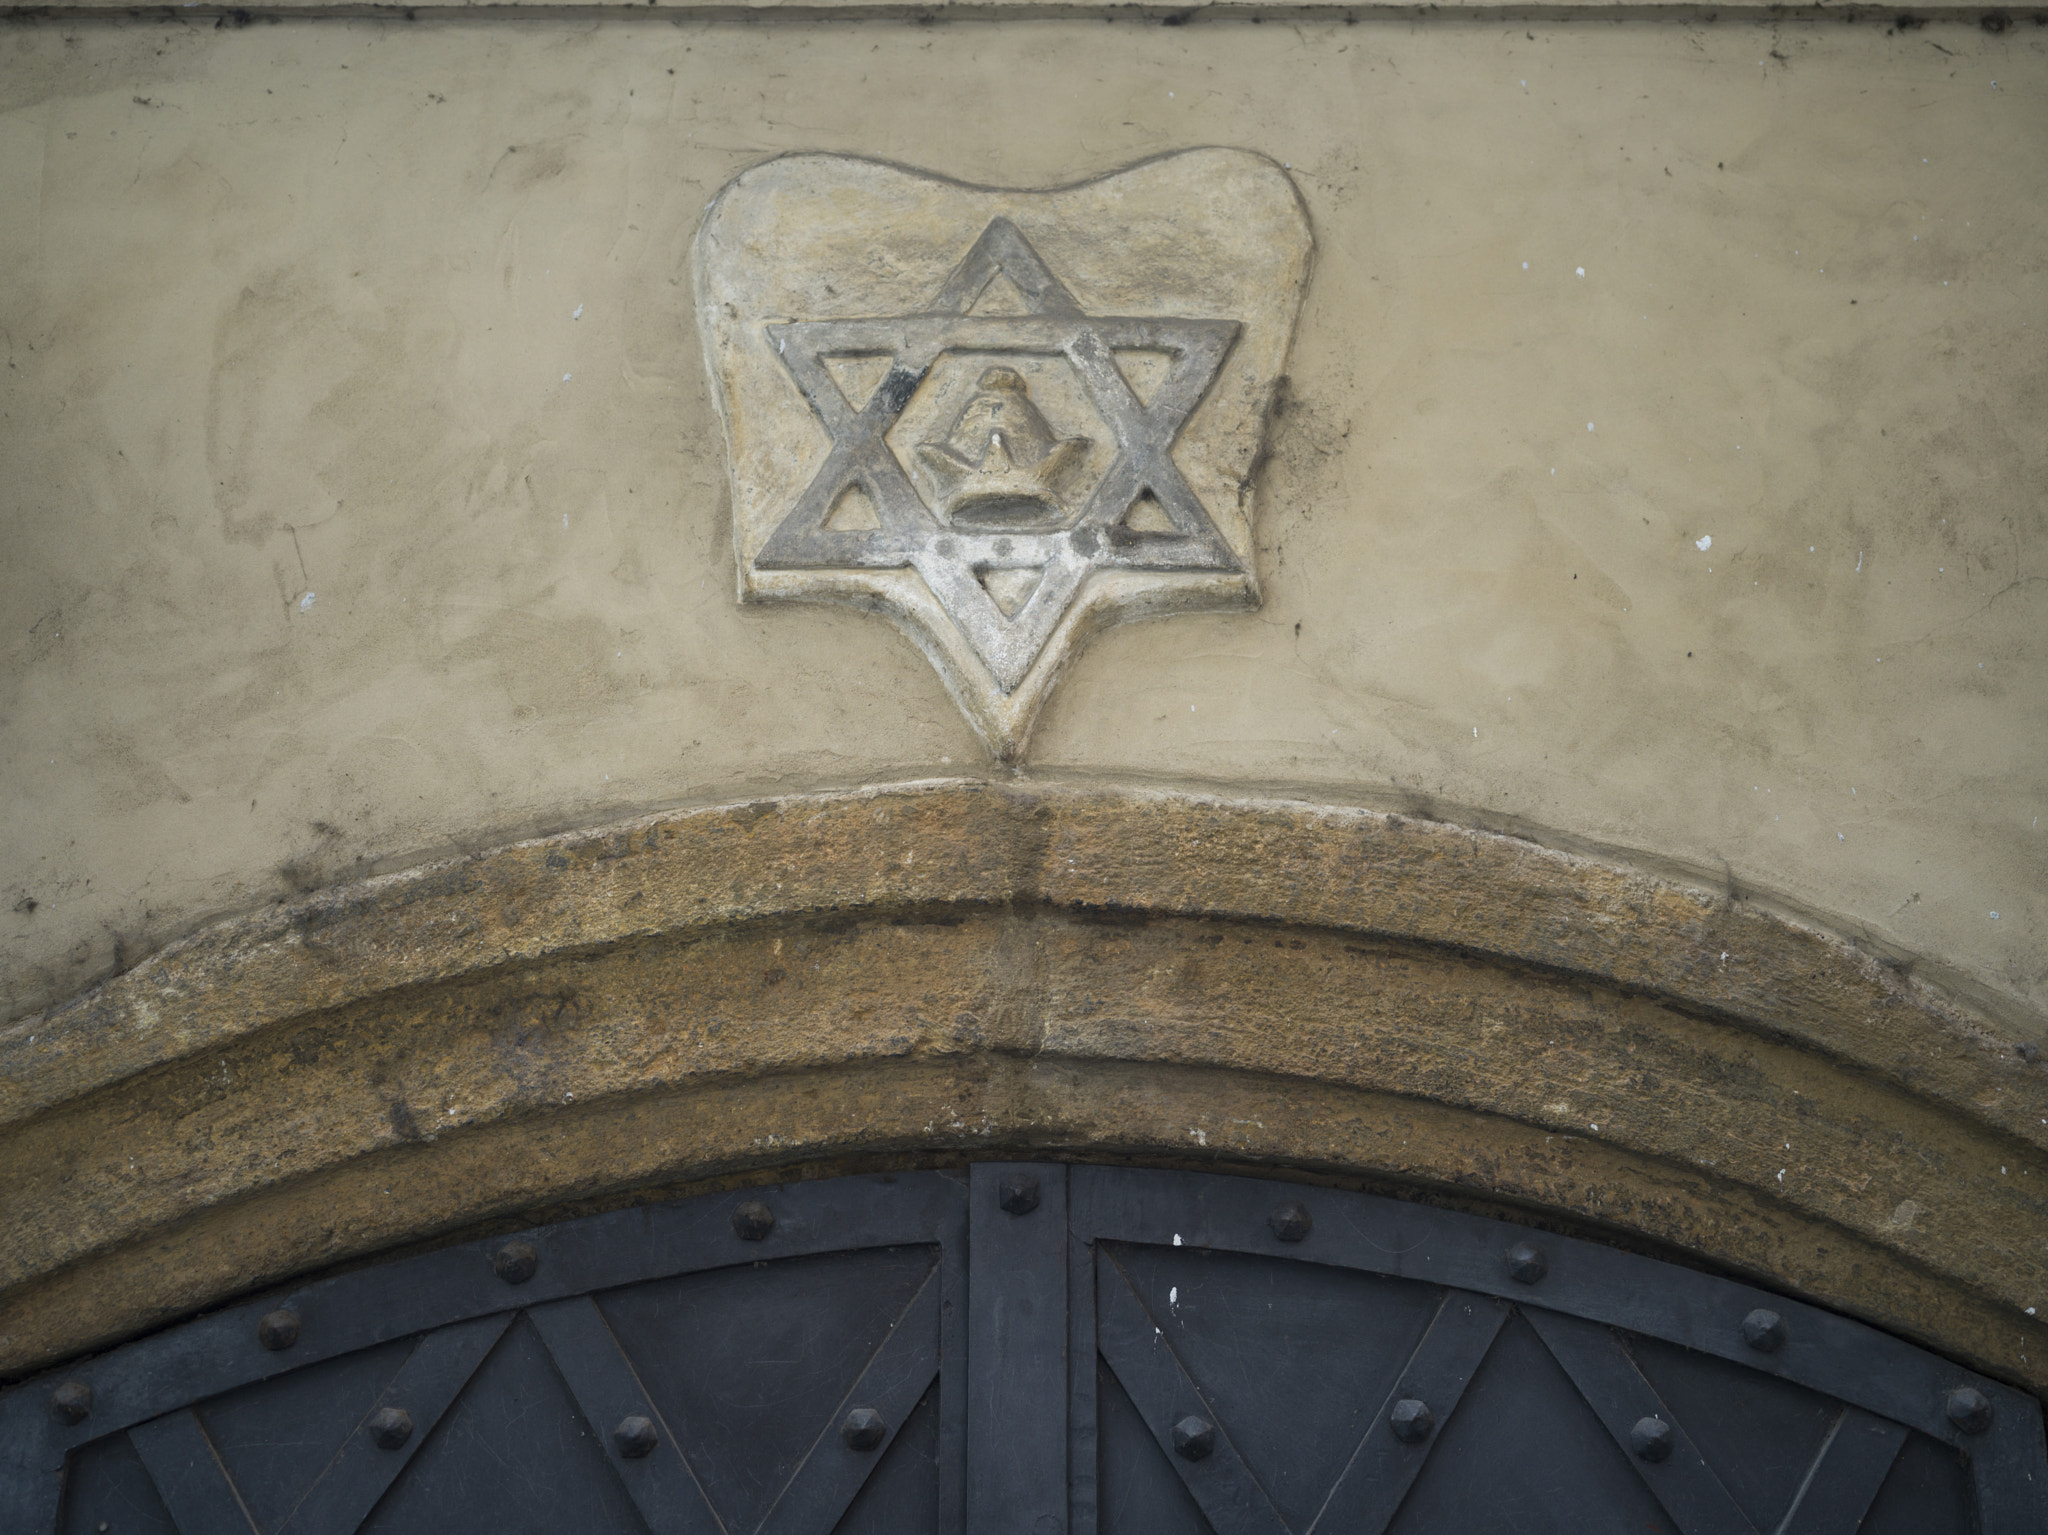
1002 418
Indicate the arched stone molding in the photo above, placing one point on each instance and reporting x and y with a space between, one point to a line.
956 969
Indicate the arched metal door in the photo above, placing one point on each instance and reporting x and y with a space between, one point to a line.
1023 1350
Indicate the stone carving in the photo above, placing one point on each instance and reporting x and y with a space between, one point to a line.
1000 466
1001 418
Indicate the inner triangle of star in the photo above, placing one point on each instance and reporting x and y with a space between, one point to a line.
968 569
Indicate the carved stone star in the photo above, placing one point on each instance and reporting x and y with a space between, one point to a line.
952 559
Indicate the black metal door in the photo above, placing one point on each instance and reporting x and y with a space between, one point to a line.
1023 1350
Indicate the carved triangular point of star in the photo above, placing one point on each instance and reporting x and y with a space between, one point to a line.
951 559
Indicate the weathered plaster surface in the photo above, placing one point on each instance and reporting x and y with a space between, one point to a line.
363 500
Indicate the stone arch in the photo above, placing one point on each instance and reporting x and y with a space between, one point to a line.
943 971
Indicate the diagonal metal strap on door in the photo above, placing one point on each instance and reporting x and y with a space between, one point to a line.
839 1463
1166 1395
202 1498
1615 1389
189 1477
659 1480
1845 1476
1385 1465
432 1376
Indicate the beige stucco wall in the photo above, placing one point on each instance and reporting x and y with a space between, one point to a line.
333 539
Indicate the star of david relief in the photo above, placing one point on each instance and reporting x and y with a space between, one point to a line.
1003 419
951 548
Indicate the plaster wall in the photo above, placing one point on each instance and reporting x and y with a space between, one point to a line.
1661 469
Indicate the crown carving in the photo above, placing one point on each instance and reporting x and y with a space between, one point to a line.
1000 467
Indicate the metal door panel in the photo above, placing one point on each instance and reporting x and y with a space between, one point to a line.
274 1440
1760 1433
1852 1365
1525 1455
1294 1358
189 1476
746 1365
1141 1494
826 1277
1123 1352
1182 1419
660 1480
903 1495
1927 1489
110 1487
1385 1465
513 1453
1845 1477
836 1467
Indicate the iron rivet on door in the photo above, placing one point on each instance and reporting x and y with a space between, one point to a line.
515 1263
1526 1263
635 1437
1411 1420
390 1427
864 1429
1969 1409
1764 1331
1291 1222
1651 1439
71 1402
